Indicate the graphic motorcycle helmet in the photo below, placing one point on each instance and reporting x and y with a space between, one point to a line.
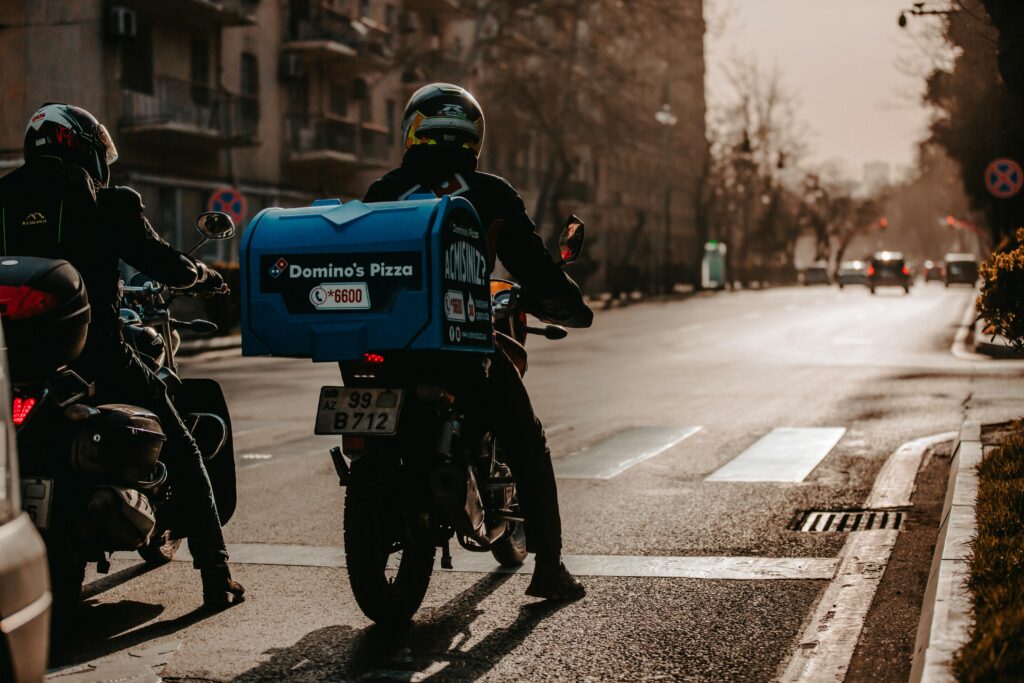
74 135
445 115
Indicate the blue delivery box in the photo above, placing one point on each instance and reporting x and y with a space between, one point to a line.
334 281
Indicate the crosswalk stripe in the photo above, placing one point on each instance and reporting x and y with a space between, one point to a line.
621 451
728 568
786 454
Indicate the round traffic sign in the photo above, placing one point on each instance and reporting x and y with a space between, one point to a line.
228 200
1004 178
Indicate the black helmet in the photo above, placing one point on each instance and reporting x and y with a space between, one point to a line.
446 115
73 134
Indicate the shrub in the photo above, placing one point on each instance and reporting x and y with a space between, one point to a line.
1002 297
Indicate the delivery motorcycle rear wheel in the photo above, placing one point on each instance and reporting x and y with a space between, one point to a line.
388 590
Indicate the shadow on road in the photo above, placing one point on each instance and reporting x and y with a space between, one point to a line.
429 648
100 629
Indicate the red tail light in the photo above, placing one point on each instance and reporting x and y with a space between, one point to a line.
20 409
906 270
871 271
374 358
25 302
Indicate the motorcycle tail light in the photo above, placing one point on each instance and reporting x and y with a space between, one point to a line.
20 409
522 318
25 302
353 444
871 271
374 358
906 270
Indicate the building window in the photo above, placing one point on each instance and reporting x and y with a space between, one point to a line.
389 112
339 99
298 96
361 92
250 79
200 53
137 61
364 8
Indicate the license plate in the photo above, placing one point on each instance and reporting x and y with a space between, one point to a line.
36 496
349 410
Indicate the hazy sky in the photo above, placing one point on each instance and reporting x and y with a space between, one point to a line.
847 62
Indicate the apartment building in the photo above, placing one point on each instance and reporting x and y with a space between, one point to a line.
290 100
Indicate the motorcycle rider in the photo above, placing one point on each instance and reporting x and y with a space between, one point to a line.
58 205
443 131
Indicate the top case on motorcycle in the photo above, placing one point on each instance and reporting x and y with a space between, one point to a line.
334 281
45 312
119 444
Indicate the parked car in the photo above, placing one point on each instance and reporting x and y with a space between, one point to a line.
961 268
815 275
852 273
888 269
24 580
933 271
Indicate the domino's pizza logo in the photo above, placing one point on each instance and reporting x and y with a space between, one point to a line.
278 267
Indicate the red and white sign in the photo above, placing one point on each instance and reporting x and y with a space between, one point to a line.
345 295
454 306
229 200
1004 178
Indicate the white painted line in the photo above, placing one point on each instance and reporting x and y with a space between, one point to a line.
786 454
830 637
618 453
726 568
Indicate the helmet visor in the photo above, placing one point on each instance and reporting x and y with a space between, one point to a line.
110 153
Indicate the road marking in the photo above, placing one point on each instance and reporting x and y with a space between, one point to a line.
618 453
729 568
785 454
830 637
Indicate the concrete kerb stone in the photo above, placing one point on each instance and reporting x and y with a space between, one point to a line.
946 618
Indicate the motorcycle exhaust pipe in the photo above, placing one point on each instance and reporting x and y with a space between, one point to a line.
455 491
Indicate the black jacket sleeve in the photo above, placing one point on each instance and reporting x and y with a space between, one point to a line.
138 244
548 292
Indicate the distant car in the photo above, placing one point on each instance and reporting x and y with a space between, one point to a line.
25 594
933 271
815 275
961 268
888 269
852 273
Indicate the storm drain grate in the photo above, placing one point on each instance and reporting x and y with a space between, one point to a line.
850 520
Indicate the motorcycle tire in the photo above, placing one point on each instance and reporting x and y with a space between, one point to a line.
372 524
512 551
160 550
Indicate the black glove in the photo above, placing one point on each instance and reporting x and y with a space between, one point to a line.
209 280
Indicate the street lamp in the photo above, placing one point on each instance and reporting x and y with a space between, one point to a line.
667 120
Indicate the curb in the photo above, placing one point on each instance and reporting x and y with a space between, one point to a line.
946 618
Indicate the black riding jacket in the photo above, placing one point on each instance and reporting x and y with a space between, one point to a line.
53 209
548 292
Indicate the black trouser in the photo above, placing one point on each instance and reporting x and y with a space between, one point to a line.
121 377
508 413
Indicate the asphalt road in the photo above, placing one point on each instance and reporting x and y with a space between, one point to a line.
804 365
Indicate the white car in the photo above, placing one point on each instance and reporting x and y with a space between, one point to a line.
24 579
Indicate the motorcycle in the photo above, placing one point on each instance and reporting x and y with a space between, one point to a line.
434 472
92 476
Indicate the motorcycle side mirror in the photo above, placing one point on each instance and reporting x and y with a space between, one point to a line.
215 225
570 242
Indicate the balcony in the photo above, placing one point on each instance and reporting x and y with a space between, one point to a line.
204 13
322 33
181 113
344 144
